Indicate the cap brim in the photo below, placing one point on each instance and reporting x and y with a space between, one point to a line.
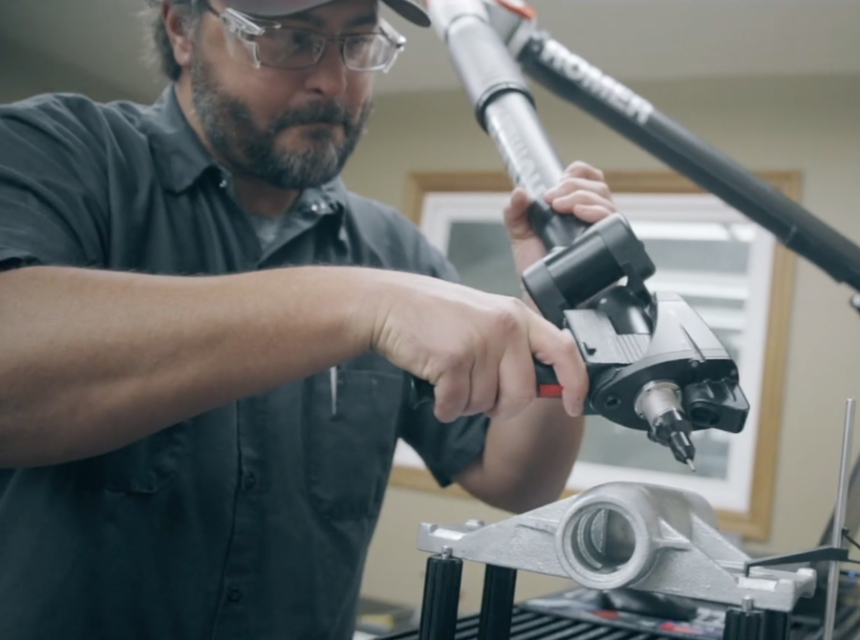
407 9
411 11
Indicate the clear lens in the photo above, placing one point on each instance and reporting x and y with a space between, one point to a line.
298 49
368 53
288 48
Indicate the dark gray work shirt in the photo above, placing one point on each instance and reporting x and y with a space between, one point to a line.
250 521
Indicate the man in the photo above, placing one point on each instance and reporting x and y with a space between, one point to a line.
206 341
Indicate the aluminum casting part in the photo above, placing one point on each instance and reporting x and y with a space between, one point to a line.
657 398
632 535
603 544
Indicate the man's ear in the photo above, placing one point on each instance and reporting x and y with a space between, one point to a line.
180 31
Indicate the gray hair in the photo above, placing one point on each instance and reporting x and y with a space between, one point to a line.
160 52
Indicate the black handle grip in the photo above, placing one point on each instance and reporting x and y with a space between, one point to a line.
422 391
554 230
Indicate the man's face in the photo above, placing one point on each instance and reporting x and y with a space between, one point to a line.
293 129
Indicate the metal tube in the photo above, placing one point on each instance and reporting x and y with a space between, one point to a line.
497 604
839 522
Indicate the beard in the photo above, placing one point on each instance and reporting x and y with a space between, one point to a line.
247 149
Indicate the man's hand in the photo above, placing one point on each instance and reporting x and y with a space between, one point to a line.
476 348
582 192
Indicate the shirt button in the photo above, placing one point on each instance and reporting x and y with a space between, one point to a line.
234 595
223 184
250 480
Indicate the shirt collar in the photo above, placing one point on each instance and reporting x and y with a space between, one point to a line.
329 198
326 201
180 157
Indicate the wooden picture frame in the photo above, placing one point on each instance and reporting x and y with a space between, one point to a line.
755 524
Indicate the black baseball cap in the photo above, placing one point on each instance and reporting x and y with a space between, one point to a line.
411 10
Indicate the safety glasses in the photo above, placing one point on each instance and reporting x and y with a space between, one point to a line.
272 44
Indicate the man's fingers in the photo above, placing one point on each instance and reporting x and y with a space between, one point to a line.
571 203
451 394
591 213
485 381
573 378
571 185
580 169
517 383
557 348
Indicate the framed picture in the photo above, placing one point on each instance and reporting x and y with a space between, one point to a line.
733 273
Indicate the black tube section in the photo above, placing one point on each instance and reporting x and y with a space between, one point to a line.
441 600
497 603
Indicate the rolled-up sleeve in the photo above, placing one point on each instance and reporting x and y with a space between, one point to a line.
53 197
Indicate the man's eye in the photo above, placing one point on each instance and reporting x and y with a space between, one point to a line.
363 41
294 41
359 45
297 41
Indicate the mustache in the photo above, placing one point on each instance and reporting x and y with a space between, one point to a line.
320 113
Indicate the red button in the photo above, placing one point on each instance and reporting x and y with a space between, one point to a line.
549 391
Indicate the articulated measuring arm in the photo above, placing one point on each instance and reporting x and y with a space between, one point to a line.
653 363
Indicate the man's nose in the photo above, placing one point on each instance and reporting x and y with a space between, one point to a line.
329 76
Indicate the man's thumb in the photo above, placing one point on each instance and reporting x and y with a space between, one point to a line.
516 215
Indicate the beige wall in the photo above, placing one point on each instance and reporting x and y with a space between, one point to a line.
23 73
812 126
792 124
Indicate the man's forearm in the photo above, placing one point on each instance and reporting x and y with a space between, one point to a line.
93 360
527 459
